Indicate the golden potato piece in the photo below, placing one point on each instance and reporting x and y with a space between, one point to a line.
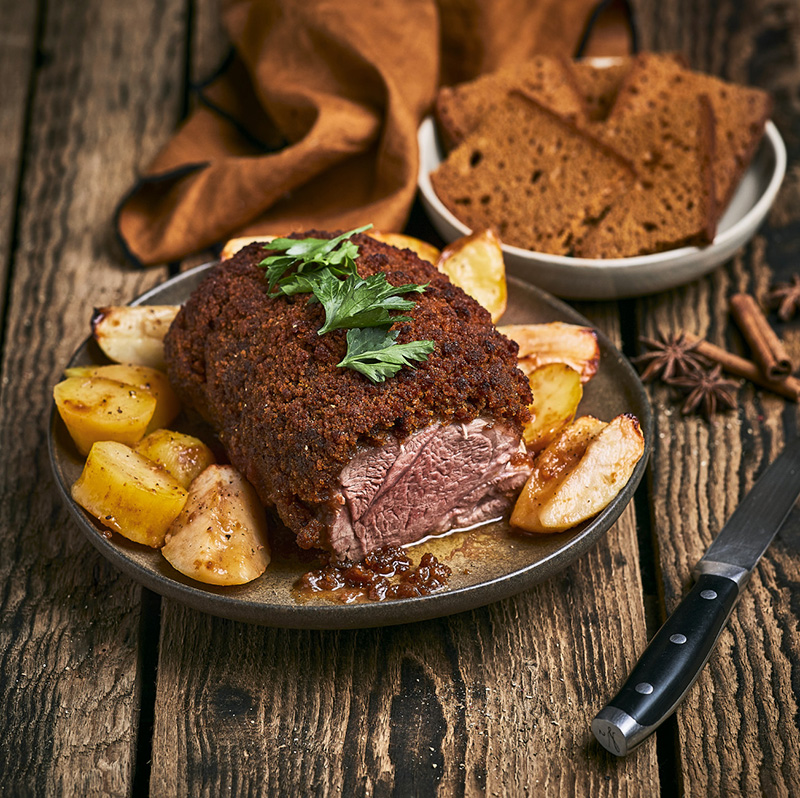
184 456
574 480
555 342
221 536
129 493
152 380
133 334
557 392
423 249
235 244
100 409
475 264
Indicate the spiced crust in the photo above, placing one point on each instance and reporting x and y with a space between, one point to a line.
256 369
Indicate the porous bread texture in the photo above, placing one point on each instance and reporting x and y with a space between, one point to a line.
740 112
460 109
532 175
673 202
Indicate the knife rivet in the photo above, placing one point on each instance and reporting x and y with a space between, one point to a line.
645 688
678 639
708 594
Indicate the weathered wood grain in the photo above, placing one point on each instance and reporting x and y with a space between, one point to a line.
18 35
70 625
738 730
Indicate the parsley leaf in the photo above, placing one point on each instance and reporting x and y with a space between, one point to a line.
374 353
361 301
311 254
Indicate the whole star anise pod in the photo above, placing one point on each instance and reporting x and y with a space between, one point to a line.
670 357
786 297
707 390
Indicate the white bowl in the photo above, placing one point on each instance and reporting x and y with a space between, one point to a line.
588 278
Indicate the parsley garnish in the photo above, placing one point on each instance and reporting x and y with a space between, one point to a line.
374 353
326 269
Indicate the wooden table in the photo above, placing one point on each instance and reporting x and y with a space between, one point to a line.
105 688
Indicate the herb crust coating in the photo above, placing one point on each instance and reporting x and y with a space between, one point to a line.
290 420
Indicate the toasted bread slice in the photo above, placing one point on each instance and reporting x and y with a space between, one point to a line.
533 176
460 109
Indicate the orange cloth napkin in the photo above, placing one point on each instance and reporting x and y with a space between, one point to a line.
313 122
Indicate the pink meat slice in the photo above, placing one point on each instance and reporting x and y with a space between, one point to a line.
440 478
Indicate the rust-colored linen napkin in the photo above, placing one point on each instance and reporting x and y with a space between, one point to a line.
312 122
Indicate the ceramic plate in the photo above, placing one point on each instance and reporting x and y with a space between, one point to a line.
488 563
614 278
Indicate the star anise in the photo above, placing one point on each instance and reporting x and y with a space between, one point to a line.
670 357
707 390
786 297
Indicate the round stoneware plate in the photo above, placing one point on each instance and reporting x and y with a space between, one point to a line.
488 563
614 278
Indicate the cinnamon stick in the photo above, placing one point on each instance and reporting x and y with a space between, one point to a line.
788 387
768 351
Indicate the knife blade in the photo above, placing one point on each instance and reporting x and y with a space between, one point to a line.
679 650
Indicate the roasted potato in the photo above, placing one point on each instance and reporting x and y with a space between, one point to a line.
100 409
129 493
475 264
235 244
184 456
555 342
557 392
220 537
133 334
579 474
423 249
152 380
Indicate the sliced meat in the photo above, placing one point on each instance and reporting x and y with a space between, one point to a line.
440 478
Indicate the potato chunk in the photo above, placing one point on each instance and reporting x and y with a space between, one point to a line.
152 380
221 536
555 342
579 474
129 493
233 245
101 409
557 392
133 334
475 264
184 456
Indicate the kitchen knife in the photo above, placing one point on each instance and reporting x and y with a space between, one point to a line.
674 658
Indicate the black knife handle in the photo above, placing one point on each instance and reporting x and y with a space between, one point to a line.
669 665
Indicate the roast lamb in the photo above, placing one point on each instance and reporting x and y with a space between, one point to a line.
351 466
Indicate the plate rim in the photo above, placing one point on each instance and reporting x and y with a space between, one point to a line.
325 615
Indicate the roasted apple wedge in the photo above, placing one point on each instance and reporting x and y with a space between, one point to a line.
579 474
220 537
143 377
475 264
129 493
423 249
557 392
184 456
555 342
133 334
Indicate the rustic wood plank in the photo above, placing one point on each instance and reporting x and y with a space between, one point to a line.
17 49
70 625
738 732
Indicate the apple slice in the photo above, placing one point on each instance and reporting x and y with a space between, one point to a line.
220 537
557 392
475 264
555 342
133 334
579 474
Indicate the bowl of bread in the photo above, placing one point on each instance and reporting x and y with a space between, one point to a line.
604 178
